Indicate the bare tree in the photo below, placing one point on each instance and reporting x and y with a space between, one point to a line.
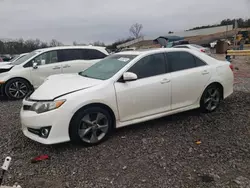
54 43
74 43
135 30
98 43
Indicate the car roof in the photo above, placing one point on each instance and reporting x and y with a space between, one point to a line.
70 47
193 45
150 51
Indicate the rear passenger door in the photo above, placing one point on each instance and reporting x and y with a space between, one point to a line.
76 60
189 76
71 60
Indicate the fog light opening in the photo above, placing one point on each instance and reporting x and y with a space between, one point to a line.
44 132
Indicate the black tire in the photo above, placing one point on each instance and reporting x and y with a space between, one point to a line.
22 89
215 99
78 126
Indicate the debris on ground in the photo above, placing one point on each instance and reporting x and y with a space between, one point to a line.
198 142
40 158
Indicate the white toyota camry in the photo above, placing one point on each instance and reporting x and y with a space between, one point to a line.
124 89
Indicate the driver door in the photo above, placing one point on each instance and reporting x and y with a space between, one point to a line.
47 65
148 95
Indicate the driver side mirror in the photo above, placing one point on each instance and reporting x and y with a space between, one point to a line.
34 65
129 76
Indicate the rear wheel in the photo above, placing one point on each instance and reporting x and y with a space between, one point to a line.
90 126
17 88
211 98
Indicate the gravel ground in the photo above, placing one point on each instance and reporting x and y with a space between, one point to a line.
159 153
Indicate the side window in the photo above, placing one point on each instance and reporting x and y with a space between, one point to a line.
199 62
151 65
46 58
69 54
91 54
180 61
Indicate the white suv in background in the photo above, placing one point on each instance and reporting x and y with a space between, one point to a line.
30 71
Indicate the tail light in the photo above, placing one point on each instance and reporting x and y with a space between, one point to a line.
202 50
231 66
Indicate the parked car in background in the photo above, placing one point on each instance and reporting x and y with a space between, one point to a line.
124 89
29 72
175 43
16 57
5 57
195 47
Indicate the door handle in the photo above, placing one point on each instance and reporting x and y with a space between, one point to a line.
56 67
165 80
66 66
204 72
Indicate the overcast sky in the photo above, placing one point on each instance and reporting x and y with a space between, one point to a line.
108 20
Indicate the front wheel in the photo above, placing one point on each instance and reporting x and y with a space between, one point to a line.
16 89
211 98
90 126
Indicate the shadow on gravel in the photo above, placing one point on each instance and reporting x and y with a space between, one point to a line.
5 99
154 123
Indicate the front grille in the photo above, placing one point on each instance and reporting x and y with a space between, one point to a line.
34 131
26 107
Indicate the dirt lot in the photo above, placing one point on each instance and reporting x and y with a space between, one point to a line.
159 153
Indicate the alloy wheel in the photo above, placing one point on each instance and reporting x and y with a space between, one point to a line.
18 90
93 127
212 99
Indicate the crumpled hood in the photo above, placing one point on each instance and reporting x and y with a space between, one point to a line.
61 84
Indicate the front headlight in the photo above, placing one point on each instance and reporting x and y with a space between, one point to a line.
40 107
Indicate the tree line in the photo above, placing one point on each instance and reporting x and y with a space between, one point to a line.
23 46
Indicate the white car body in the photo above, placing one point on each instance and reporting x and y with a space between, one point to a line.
194 47
130 102
23 68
